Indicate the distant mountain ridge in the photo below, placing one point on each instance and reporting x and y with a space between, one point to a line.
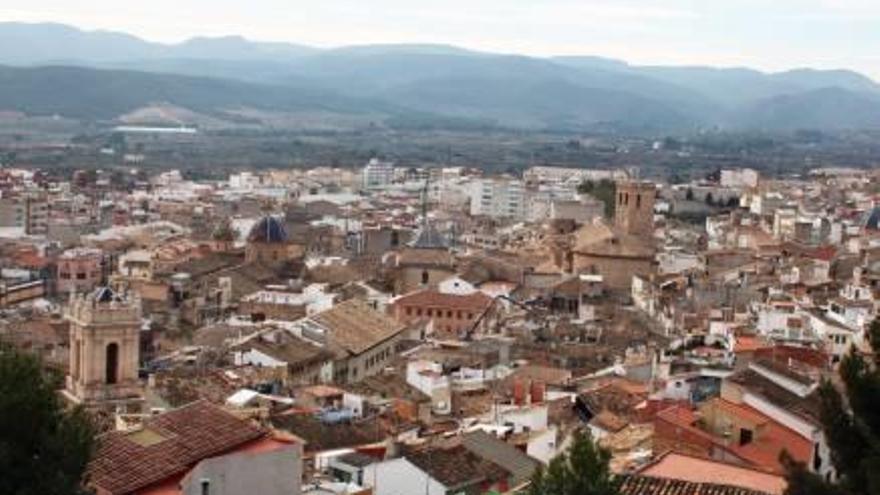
47 43
93 94
432 81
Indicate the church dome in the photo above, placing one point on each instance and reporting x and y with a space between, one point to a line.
429 238
873 219
268 230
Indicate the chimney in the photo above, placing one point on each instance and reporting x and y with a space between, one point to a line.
537 392
519 392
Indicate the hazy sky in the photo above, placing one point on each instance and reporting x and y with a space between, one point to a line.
765 34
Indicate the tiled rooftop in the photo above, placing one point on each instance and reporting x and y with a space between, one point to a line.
168 445
648 485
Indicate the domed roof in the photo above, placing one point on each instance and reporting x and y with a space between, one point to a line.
105 294
429 238
269 230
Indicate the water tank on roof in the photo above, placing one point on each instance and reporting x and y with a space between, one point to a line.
334 416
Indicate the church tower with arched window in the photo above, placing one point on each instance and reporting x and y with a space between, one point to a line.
104 349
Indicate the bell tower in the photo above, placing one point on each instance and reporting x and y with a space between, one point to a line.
634 207
104 349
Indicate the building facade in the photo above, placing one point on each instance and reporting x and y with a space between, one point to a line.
79 270
377 175
498 198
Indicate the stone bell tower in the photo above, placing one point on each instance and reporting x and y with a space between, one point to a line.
634 208
105 349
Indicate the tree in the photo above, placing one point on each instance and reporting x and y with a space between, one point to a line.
710 200
586 187
852 429
581 470
225 231
605 191
44 448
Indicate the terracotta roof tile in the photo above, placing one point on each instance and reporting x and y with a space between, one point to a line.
168 445
649 485
684 467
319 436
427 257
476 301
456 467
356 327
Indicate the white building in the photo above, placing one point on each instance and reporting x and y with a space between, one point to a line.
246 181
428 378
498 198
450 193
399 476
377 175
739 178
570 176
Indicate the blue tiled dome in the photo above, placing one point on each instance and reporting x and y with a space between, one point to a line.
105 294
429 238
268 229
873 219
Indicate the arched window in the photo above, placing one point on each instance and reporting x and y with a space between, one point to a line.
77 349
112 364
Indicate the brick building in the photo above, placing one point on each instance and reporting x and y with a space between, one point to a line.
450 313
79 270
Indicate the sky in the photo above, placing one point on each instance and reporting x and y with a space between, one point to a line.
764 34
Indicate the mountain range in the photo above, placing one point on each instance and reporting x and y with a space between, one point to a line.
100 75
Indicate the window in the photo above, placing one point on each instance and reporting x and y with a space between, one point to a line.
430 312
449 314
419 312
111 363
80 275
424 277
408 311
459 315
745 436
638 200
